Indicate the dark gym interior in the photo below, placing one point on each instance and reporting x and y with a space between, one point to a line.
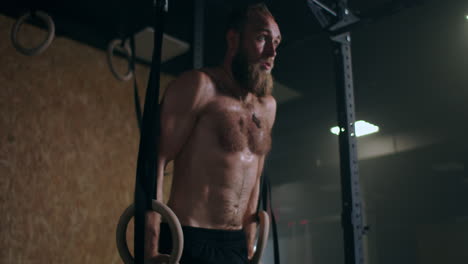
69 137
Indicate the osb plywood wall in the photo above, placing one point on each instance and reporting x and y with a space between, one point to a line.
68 146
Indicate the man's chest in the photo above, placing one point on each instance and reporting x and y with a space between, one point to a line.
238 127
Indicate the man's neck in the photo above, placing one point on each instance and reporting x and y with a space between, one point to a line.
233 85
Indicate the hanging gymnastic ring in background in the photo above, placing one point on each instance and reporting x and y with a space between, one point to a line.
110 54
174 225
44 45
262 237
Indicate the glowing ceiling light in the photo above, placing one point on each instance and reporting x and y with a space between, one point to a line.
362 128
335 130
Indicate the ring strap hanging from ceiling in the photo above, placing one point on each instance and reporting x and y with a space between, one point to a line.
145 184
136 96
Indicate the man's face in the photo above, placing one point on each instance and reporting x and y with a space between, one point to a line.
255 57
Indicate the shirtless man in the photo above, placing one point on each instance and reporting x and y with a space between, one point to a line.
216 126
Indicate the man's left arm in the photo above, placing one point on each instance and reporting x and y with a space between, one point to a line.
250 218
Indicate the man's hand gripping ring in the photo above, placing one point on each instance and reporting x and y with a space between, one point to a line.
262 237
174 225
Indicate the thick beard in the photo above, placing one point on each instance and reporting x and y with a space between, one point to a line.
250 76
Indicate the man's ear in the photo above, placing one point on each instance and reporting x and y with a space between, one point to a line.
232 39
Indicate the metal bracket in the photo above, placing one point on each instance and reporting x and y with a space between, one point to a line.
348 19
319 14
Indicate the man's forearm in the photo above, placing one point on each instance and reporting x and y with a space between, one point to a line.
153 219
250 218
152 222
250 229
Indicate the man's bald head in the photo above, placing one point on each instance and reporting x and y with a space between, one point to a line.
247 14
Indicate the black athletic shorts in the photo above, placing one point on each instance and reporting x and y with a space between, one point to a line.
207 246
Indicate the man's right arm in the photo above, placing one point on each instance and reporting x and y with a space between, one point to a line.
181 105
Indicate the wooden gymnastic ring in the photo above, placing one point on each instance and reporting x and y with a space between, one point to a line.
174 225
264 229
110 54
44 45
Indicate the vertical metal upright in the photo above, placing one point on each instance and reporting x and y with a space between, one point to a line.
339 28
351 217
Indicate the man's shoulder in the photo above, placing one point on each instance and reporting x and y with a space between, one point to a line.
194 86
192 82
193 77
200 79
269 102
